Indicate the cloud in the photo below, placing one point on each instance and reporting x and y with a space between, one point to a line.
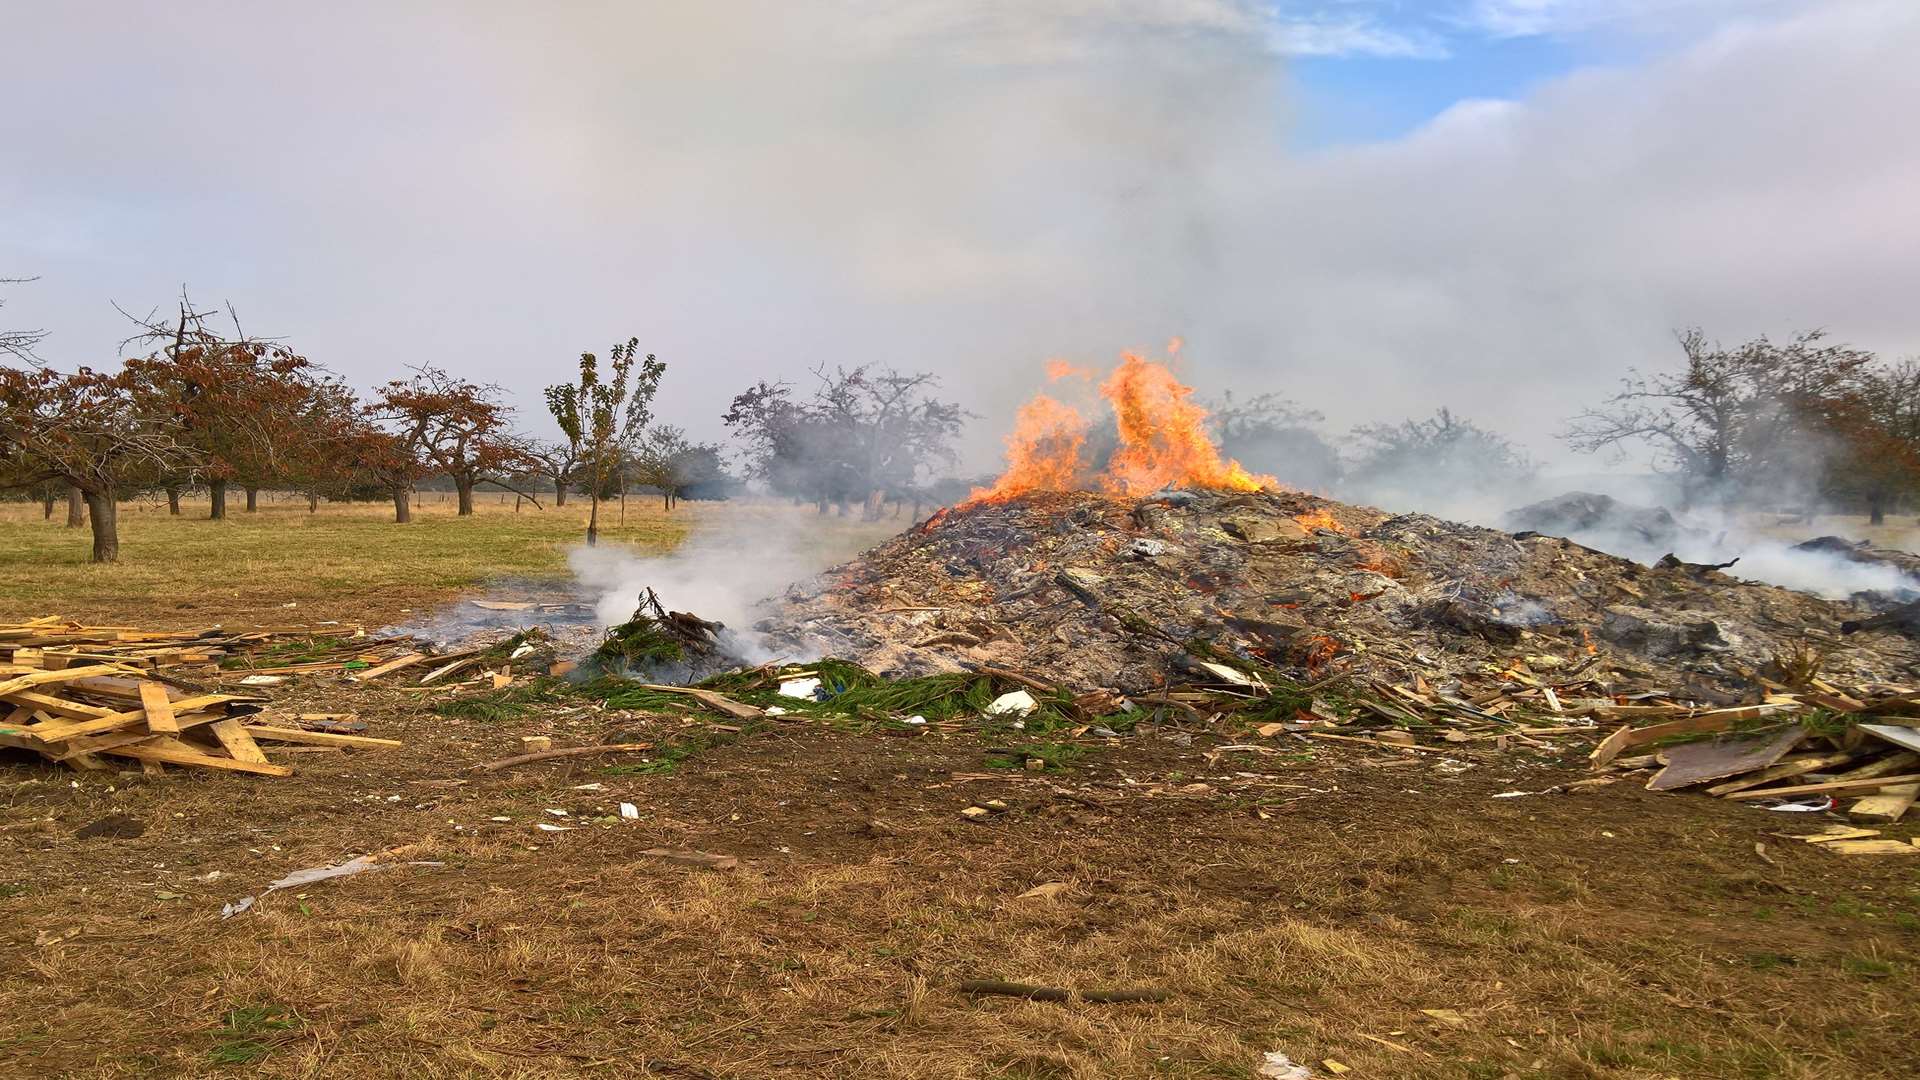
758 188
1353 35
1531 18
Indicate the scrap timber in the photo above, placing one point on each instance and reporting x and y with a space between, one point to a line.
81 695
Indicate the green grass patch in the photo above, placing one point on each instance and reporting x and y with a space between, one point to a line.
251 1033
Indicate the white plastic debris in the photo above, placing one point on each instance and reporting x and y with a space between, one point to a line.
1018 703
520 652
916 719
774 710
1228 674
550 827
804 689
1812 806
556 813
263 680
629 811
1278 1066
311 875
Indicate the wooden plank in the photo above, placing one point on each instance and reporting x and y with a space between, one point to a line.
390 666
159 709
206 705
712 699
1831 786
1904 737
1610 747
172 751
234 737
46 678
57 706
1793 766
1890 764
1721 757
318 738
1885 807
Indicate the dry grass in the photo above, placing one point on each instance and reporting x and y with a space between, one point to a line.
343 562
1617 934
834 952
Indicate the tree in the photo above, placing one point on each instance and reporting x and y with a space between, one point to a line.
602 417
1414 459
1732 423
242 402
1876 440
1270 433
558 462
455 427
19 344
88 430
863 433
664 459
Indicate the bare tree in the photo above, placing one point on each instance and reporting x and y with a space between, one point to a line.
1730 422
863 433
19 344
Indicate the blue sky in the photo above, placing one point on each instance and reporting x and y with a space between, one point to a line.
1339 100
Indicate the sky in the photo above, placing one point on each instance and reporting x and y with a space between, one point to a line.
1377 207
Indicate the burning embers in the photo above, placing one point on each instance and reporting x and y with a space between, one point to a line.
1161 431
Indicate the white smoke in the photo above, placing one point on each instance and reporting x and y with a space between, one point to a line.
722 574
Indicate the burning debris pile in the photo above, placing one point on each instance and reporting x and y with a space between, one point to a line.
1093 591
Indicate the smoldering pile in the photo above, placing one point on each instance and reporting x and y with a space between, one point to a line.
1095 592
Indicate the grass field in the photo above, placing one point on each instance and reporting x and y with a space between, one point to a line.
1376 910
344 561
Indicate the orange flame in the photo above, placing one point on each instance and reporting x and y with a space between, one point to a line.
1043 452
1061 369
1163 435
1319 519
1163 440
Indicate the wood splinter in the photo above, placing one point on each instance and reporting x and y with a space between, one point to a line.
1055 993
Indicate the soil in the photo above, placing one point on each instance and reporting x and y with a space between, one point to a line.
1296 897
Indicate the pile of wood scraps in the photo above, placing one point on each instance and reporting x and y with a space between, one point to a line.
53 643
81 715
1801 749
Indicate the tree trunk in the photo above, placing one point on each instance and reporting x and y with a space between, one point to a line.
1876 510
217 500
464 488
173 499
593 516
402 506
106 527
313 500
76 508
47 499
876 499
559 494
666 499
253 499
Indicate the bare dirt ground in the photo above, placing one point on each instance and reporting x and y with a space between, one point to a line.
1313 901
1310 902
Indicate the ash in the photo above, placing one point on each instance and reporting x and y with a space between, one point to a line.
1092 591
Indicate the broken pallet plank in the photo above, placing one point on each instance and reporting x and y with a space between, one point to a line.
233 735
159 709
317 738
1831 786
1887 806
171 751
